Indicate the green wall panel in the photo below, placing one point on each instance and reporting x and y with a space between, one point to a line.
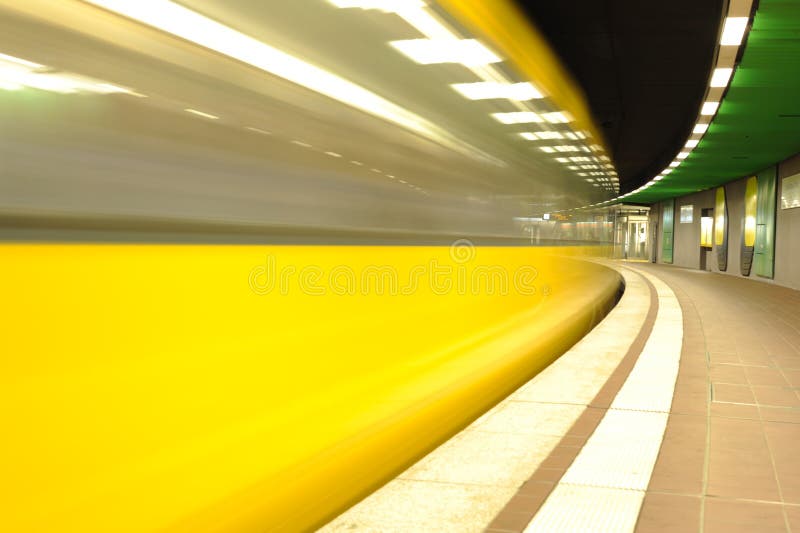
721 229
757 123
667 230
764 260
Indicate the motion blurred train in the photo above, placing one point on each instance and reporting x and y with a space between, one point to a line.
259 257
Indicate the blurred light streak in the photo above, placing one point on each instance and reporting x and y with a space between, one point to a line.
468 52
22 62
258 130
177 20
520 92
17 73
391 6
201 114
519 117
557 117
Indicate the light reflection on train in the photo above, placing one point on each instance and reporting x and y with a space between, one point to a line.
549 228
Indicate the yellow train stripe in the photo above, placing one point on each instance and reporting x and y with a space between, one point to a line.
164 387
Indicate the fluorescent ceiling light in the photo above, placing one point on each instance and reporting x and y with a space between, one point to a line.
556 117
518 117
721 77
666 171
567 148
733 31
573 167
682 155
468 52
177 20
548 149
691 143
572 136
562 159
519 92
674 164
580 159
700 128
529 136
709 108
258 130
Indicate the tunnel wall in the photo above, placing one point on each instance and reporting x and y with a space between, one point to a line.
688 253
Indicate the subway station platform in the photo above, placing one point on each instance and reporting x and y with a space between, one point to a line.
399 266
678 412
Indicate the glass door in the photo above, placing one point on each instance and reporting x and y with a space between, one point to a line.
636 245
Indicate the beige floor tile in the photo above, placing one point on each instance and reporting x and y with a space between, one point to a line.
728 374
737 516
727 393
776 396
407 505
669 513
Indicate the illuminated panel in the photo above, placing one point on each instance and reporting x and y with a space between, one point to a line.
706 231
749 232
750 211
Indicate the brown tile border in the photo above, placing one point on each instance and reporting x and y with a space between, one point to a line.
517 513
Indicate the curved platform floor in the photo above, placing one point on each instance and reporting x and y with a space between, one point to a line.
679 412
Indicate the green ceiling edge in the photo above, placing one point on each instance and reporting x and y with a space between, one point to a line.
758 122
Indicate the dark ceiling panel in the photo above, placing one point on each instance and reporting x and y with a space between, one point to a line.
644 67
758 123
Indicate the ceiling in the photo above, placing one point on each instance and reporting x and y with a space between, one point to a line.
758 122
644 67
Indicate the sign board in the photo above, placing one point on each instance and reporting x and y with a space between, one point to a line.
687 214
790 192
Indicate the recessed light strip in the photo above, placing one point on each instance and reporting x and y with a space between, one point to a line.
733 33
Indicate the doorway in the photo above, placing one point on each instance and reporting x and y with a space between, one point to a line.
636 244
